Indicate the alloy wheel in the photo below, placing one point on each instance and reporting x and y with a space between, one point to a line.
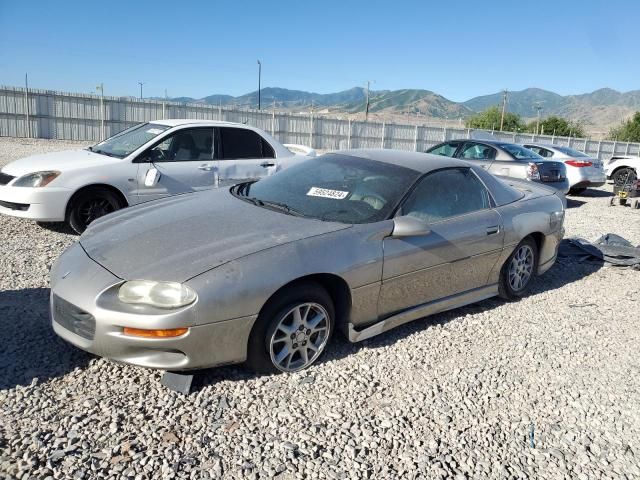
299 337
521 268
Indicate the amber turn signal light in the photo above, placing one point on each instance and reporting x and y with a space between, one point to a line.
167 333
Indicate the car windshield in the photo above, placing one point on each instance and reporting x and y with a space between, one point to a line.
333 187
520 152
127 141
571 152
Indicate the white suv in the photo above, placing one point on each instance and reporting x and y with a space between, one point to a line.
145 162
619 166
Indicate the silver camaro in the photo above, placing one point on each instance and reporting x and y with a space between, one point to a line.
359 241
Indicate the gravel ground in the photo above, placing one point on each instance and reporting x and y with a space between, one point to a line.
547 387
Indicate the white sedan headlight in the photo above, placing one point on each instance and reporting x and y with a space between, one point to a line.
36 179
157 294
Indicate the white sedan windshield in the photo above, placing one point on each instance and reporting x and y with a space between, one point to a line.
127 141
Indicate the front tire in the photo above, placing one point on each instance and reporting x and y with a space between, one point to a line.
89 205
292 331
577 191
519 270
620 176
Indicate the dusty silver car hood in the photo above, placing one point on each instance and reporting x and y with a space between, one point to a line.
180 237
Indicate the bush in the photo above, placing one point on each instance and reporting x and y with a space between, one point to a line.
490 120
557 126
628 131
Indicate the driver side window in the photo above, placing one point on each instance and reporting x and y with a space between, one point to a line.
445 194
187 145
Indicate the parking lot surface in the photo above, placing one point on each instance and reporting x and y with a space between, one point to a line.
547 387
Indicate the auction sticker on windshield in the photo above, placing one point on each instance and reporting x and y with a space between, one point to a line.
326 193
154 131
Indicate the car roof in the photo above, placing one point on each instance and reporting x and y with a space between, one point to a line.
176 122
420 162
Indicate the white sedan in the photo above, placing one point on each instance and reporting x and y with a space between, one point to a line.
145 162
583 171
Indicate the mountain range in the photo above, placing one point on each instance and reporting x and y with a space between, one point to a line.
600 109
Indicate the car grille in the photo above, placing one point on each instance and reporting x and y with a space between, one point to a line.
23 207
4 178
73 318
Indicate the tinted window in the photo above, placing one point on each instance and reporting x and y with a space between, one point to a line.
242 143
476 151
334 187
186 145
543 152
446 193
519 152
445 149
571 152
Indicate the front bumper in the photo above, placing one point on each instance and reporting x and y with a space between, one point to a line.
85 313
47 204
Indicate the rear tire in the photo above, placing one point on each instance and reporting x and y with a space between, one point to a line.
577 191
518 272
89 205
281 341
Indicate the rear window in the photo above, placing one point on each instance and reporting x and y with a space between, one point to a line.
519 152
571 152
240 143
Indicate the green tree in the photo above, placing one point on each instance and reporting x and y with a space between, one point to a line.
628 131
557 126
490 120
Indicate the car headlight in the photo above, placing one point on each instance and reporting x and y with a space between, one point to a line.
157 294
36 179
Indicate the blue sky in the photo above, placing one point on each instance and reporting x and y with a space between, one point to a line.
459 49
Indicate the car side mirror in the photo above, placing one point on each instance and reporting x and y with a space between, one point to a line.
152 177
407 226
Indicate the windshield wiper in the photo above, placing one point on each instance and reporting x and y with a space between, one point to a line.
273 205
108 154
240 190
281 206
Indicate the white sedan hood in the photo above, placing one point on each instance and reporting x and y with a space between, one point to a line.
63 161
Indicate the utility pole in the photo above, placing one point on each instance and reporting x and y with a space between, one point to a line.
141 83
538 107
504 107
100 88
366 106
259 80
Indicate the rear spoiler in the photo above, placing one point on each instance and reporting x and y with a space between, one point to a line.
300 149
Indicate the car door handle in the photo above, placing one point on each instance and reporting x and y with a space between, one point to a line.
493 230
206 168
267 164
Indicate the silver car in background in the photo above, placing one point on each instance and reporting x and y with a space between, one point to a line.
583 171
265 271
507 160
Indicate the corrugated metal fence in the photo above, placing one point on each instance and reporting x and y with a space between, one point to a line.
72 116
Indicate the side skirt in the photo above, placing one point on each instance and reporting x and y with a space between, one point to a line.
414 313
